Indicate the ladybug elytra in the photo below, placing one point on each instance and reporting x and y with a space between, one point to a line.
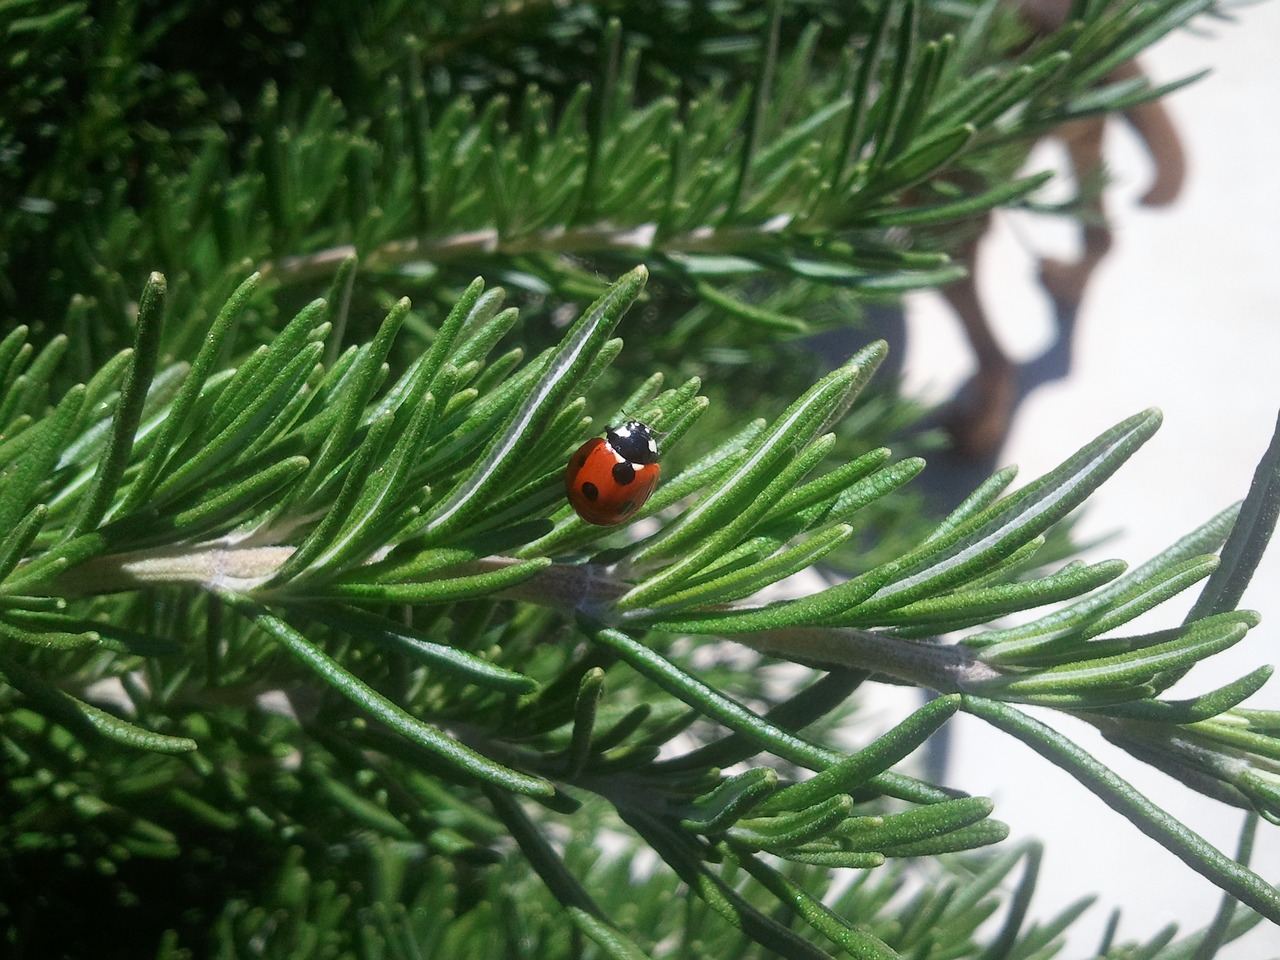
611 477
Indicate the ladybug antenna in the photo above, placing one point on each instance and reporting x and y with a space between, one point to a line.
631 417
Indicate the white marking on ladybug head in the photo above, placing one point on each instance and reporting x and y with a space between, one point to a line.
635 440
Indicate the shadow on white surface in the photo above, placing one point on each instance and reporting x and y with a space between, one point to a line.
1184 315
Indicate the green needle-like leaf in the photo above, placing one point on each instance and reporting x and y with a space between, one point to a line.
42 568
856 769
183 404
20 479
467 667
81 716
767 319
483 327
816 607
722 898
39 632
981 834
855 497
584 721
922 160
1220 931
837 859
703 698
128 415
259 418
854 137
443 590
783 832
715 544
465 761
415 566
1237 731
1198 641
829 484
605 936
1145 28
219 505
1193 850
855 942
1204 707
1152 593
756 576
724 806
1249 537
1001 195
1020 517
986 108
891 833
815 700
15 353
86 449
974 505
365 374
620 731
766 458
30 388
360 496
981 604
262 370
1174 568
892 100
19 539
564 375
550 867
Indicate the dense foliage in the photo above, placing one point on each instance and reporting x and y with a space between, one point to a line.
303 652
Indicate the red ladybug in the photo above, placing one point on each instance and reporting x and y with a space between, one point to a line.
611 477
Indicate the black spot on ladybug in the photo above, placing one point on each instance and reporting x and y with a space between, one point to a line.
590 491
623 473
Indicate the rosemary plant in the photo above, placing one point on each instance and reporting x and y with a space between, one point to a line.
303 653
390 563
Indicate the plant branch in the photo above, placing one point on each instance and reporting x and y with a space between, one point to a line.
640 239
213 566
945 668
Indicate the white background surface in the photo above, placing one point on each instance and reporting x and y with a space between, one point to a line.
1185 316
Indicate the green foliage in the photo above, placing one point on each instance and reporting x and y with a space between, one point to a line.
767 152
296 629
402 543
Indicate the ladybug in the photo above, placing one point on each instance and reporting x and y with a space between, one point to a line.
611 477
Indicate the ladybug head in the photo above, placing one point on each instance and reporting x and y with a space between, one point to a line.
635 441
